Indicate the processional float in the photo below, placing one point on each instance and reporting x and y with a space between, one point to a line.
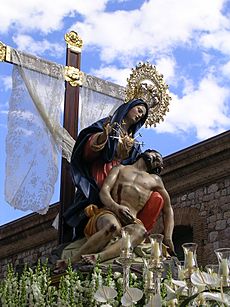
144 82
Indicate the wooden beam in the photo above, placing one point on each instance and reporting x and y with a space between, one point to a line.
29 61
71 110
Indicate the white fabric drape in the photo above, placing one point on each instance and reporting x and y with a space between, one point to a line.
31 144
95 105
36 136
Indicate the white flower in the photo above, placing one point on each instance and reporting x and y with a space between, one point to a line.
201 279
79 286
36 291
67 282
116 275
179 283
134 276
171 293
219 297
131 296
120 281
104 294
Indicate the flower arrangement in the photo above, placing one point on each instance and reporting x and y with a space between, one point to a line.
34 288
193 286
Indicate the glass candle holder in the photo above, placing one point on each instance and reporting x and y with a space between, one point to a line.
126 257
190 265
223 257
190 261
155 265
156 247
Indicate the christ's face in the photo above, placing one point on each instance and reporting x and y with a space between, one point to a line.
153 160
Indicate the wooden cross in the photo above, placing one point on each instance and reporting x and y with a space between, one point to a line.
71 108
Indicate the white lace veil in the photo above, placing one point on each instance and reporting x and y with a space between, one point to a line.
35 133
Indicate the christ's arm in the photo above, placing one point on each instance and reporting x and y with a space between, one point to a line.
105 193
168 216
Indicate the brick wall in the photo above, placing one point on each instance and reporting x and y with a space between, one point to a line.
28 239
207 211
198 181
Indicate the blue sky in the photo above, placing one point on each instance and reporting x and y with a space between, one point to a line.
188 41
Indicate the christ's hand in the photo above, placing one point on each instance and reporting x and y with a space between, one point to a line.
125 216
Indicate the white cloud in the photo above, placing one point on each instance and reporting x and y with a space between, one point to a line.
30 45
166 66
219 40
6 81
155 27
112 73
45 16
204 109
226 70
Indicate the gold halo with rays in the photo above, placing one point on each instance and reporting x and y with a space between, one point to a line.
146 83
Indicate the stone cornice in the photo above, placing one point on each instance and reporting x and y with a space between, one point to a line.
199 164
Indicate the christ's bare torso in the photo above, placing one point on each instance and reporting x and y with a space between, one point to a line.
133 188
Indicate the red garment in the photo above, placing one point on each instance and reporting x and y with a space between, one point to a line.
149 214
99 170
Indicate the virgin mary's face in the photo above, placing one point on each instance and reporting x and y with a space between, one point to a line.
136 113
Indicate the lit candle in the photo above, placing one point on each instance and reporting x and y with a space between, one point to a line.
126 242
190 259
224 267
155 250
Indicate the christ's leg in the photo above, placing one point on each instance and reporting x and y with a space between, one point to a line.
108 227
137 235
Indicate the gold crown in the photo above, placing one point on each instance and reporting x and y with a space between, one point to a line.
147 84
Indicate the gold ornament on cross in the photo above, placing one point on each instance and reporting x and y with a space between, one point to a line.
73 41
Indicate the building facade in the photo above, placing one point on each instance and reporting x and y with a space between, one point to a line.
198 181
